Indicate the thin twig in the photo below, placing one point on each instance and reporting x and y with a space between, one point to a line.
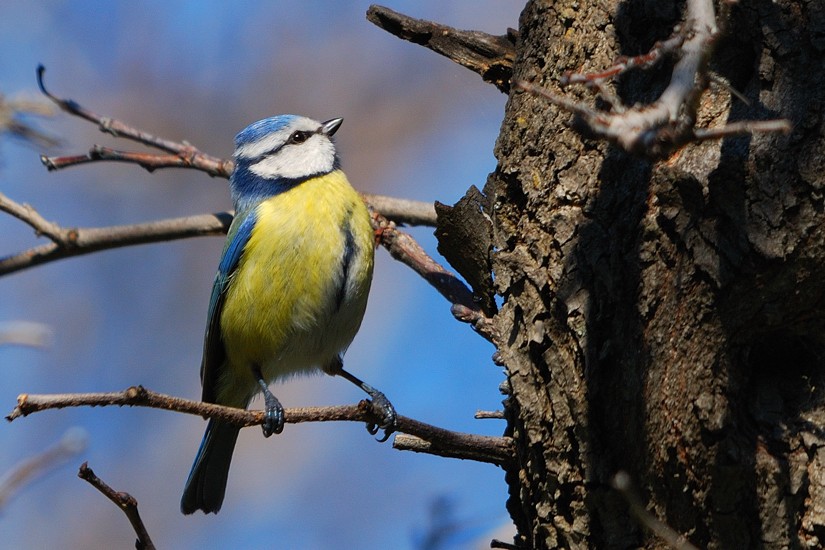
483 415
188 157
624 64
402 211
490 56
113 126
745 127
482 448
622 483
30 216
72 443
124 501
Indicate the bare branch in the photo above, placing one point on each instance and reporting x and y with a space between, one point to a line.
657 129
72 442
124 501
188 157
493 450
481 448
406 250
622 484
475 318
496 415
113 126
745 127
402 211
645 61
75 241
30 216
490 56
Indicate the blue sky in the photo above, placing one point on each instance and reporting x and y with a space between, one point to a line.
416 126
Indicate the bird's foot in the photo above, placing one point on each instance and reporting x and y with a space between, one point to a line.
273 416
273 410
383 409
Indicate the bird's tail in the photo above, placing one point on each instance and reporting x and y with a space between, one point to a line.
207 481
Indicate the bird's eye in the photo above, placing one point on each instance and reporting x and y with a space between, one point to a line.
299 137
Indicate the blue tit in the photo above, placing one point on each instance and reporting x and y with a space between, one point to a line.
291 287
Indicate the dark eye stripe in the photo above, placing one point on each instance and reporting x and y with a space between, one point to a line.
295 138
299 136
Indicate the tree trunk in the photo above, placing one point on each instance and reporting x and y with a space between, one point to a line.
665 318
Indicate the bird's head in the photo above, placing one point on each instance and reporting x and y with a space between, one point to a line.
278 152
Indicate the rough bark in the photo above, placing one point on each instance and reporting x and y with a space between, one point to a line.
665 318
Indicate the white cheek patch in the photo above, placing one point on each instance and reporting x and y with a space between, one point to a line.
314 156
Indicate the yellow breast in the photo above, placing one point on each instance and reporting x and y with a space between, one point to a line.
300 290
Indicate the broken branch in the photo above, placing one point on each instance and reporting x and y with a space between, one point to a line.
490 56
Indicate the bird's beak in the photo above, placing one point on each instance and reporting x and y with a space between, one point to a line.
331 126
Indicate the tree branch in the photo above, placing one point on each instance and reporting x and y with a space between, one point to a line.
113 126
124 501
490 56
74 241
402 211
406 250
481 448
188 157
658 129
443 442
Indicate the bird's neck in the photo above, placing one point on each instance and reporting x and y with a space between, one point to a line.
249 189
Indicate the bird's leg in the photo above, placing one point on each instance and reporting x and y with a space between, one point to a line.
381 406
274 411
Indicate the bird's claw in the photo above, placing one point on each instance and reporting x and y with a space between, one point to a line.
383 409
273 419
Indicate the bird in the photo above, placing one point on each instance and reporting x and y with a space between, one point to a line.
291 287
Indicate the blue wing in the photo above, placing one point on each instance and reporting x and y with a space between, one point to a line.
214 354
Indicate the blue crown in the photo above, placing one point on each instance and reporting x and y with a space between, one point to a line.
262 128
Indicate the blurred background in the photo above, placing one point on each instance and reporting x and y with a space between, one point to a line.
416 126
